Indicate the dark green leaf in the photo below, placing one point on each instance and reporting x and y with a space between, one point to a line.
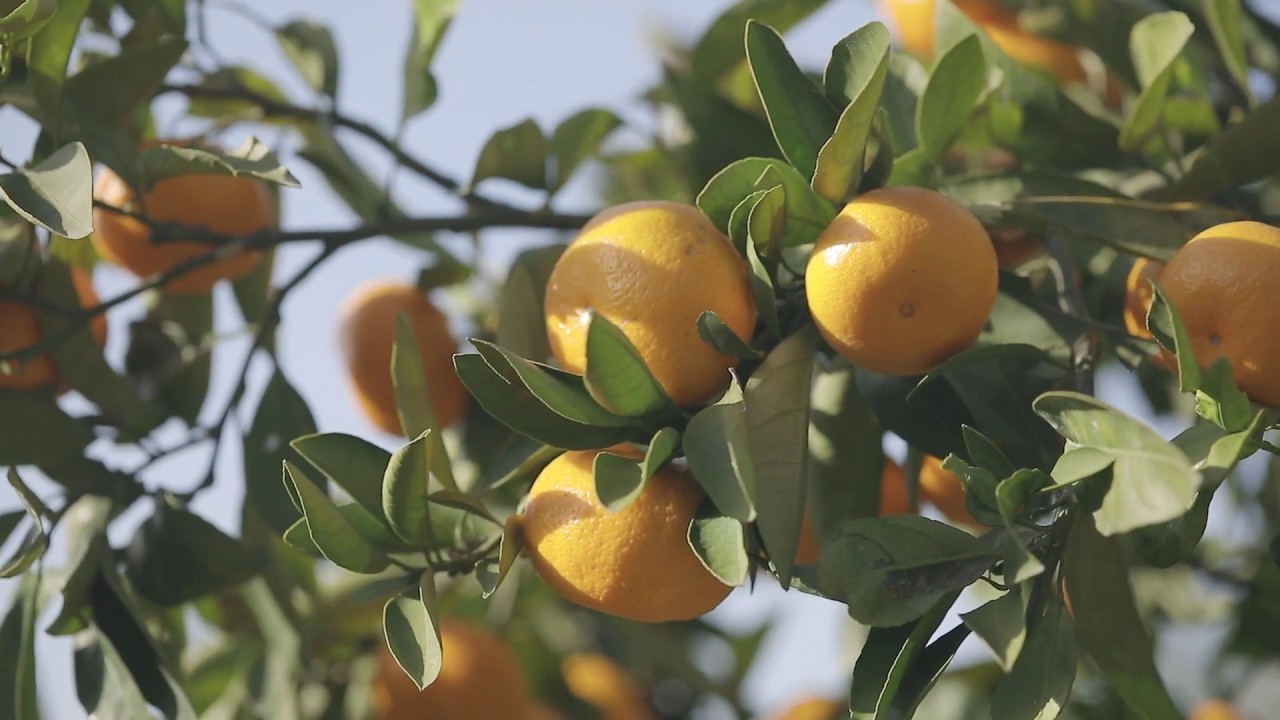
1242 153
985 454
332 532
555 389
767 222
170 356
490 572
1012 495
1099 601
432 18
887 657
173 541
762 293
578 138
1225 23
36 542
891 570
517 153
26 17
56 193
1155 43
856 75
720 542
617 376
404 490
521 322
413 400
47 59
469 504
251 159
1220 401
777 414
108 91
18 692
807 213
8 522
845 455
1167 327
720 48
955 88
927 669
723 339
282 415
619 479
353 464
1039 683
717 444
801 117
1002 625
413 635
310 47
1152 481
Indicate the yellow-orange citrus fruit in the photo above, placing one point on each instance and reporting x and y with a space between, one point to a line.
367 333
1015 247
914 20
894 500
1223 284
652 268
480 679
1138 295
945 490
231 206
901 280
1214 710
815 708
635 564
600 682
20 328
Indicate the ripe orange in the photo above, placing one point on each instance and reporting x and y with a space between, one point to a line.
914 20
945 490
480 679
1138 295
20 328
637 563
814 708
600 682
231 206
1223 284
367 332
901 280
894 500
652 268
1015 247
1214 710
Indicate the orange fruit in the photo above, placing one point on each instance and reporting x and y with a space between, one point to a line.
945 490
542 711
1214 710
600 682
480 679
1015 247
231 206
914 20
894 500
637 563
20 328
901 280
814 708
652 268
1223 284
367 332
1138 295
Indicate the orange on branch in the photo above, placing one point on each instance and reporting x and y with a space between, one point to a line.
894 500
652 268
20 328
1138 295
367 333
1214 709
945 490
229 206
637 563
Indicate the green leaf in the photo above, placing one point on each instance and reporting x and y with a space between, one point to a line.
720 48
1220 401
335 536
856 74
431 20
717 445
9 522
1099 601
767 222
108 91
926 670
619 479
887 656
310 47
762 293
801 117
985 454
578 138
1002 625
353 464
413 399
1225 23
723 339
777 414
1155 43
518 153
559 391
1080 463
720 542
1167 327
489 572
617 376
979 489
1012 496
251 159
36 541
1242 153
1113 220
26 17
807 213
891 570
50 49
500 391
956 85
413 635
1039 683
845 454
169 357
18 692
404 490
282 415
56 194
1152 481
521 321
469 504
170 543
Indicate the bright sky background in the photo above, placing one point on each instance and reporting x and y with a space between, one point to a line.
502 61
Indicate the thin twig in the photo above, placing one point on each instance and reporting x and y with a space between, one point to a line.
1086 347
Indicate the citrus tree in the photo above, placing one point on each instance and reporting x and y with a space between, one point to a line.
942 237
